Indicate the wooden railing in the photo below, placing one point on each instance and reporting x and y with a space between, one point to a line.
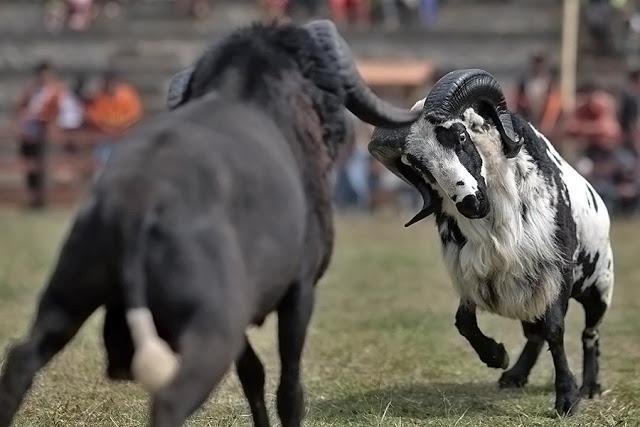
69 163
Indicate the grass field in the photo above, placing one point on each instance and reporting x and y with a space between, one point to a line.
382 348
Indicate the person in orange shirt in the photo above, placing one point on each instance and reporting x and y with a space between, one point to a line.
113 110
552 109
36 110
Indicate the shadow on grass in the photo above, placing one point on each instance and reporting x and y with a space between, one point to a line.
424 401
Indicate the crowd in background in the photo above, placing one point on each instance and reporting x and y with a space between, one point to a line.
360 13
600 138
613 25
73 117
78 15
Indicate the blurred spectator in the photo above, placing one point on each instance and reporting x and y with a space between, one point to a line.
197 9
275 9
347 12
600 17
627 175
72 107
594 123
309 8
74 14
626 179
552 109
595 127
56 14
630 109
113 110
390 14
36 110
80 14
606 22
429 12
69 132
352 179
533 90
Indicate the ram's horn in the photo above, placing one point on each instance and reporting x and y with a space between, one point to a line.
361 100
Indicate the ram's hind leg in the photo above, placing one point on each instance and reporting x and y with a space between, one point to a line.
517 376
595 305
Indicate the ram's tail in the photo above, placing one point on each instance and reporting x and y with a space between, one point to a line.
154 364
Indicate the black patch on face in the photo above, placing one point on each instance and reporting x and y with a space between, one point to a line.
457 139
593 197
450 137
452 233
460 183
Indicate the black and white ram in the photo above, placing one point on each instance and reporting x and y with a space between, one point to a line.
207 219
521 231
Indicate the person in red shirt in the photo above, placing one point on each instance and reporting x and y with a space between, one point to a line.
594 123
36 110
351 11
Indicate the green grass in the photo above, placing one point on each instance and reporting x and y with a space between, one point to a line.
382 348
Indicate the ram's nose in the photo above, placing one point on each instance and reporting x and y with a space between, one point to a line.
474 206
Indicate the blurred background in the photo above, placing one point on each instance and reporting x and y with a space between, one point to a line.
76 74
383 350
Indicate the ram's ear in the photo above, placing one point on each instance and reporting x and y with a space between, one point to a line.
179 88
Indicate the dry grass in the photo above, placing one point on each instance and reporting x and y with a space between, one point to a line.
382 349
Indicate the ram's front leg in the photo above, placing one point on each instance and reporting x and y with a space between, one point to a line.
491 353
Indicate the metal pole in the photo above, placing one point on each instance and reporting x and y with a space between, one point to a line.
569 54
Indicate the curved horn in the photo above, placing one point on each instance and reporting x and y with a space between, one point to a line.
361 101
461 89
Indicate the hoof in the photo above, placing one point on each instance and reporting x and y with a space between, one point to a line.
512 380
591 391
497 358
119 374
567 403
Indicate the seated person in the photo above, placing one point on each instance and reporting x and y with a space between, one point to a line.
594 124
113 110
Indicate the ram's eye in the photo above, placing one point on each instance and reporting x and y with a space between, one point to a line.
462 137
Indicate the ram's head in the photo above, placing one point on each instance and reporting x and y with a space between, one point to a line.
437 152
